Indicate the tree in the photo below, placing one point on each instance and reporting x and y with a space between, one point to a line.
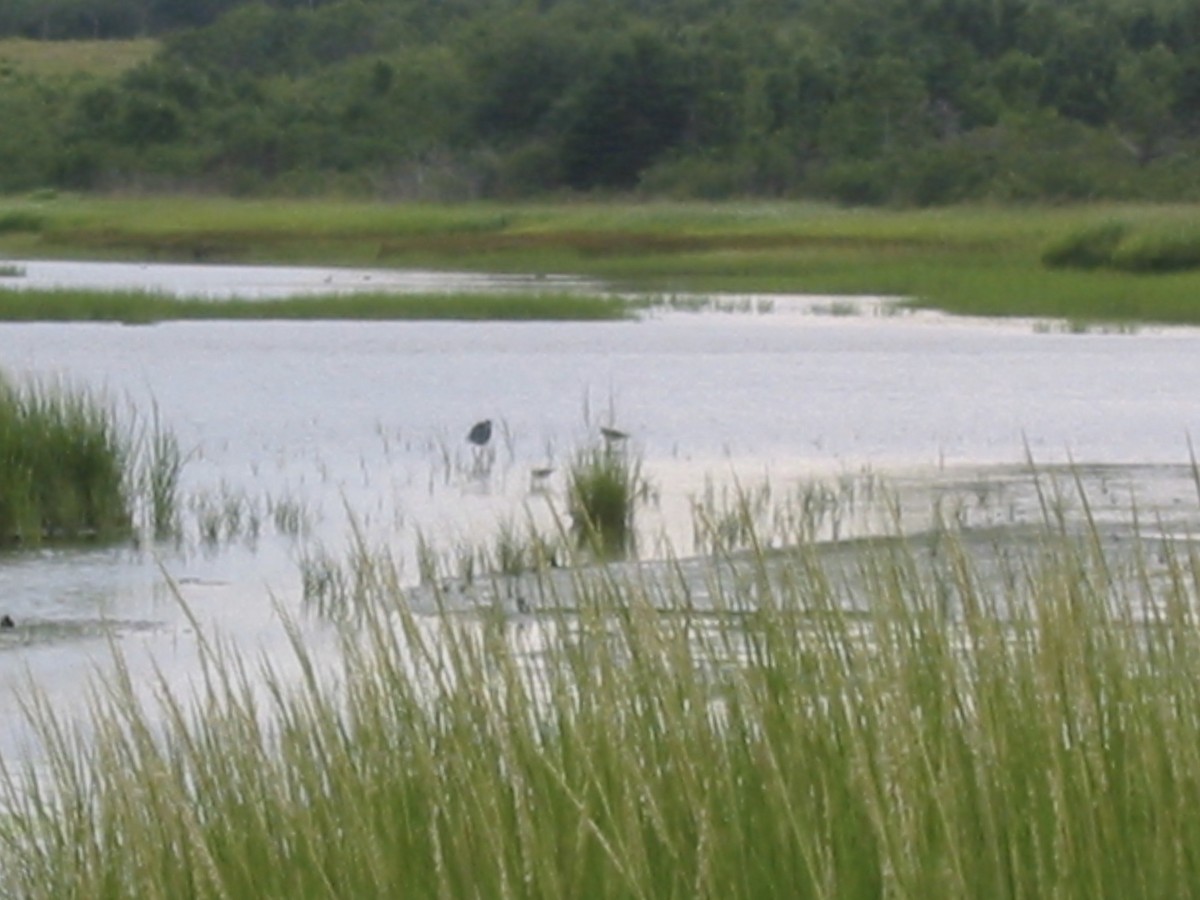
1144 94
633 109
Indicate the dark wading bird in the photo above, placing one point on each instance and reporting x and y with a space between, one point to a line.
6 621
480 433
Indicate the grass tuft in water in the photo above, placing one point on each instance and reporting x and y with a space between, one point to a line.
161 470
604 486
65 465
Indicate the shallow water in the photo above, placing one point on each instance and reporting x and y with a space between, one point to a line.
220 282
304 426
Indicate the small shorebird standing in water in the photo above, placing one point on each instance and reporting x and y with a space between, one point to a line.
613 435
480 433
479 436
538 478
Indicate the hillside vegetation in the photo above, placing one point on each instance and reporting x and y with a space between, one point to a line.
104 59
857 101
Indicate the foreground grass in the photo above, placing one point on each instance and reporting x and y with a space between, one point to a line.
974 260
139 307
908 727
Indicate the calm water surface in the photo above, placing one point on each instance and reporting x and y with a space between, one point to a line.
333 420
219 282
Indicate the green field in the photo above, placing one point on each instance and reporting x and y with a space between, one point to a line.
973 260
103 59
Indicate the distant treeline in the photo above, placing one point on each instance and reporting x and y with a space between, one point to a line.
860 101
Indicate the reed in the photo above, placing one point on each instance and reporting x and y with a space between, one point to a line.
604 486
66 465
72 468
161 468
913 723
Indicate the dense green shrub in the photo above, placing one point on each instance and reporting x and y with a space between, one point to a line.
1159 251
1086 248
21 220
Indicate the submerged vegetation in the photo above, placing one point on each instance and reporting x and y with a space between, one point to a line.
941 723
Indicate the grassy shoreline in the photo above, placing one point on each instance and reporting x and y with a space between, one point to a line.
144 308
970 260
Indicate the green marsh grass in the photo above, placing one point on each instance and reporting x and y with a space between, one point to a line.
1090 247
139 307
73 469
976 260
1157 248
65 465
604 487
901 725
162 467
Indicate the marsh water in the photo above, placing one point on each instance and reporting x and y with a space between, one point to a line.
299 434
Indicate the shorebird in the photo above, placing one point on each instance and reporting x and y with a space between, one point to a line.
480 433
612 434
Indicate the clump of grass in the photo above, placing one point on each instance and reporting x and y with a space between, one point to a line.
291 516
161 471
837 309
604 486
21 220
1090 246
1115 245
226 515
1159 250
11 271
65 465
